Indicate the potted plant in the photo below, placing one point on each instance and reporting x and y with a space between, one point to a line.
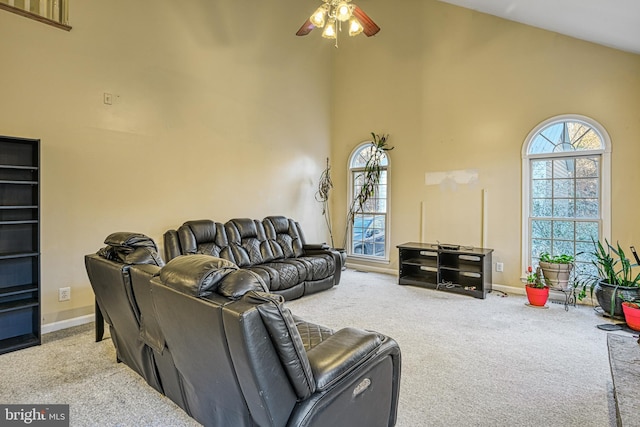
614 280
322 195
537 292
556 270
369 183
325 185
631 311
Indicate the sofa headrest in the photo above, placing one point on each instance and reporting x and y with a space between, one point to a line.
280 223
285 232
131 248
197 275
246 227
204 230
238 283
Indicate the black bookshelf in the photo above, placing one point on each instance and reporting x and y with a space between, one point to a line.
19 243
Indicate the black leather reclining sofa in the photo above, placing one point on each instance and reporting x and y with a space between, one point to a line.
273 248
208 335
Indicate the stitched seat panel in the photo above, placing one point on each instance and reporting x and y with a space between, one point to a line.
288 274
322 266
311 334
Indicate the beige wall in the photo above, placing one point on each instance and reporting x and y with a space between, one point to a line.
458 90
218 111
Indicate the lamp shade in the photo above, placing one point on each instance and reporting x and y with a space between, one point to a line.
343 11
319 16
355 27
330 30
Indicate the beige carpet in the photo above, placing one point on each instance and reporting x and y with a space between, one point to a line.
466 361
473 362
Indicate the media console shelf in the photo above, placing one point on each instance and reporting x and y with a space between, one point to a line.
464 270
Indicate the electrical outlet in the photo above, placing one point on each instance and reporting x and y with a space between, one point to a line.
499 267
64 294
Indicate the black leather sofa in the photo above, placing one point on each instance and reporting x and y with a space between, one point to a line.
123 300
274 248
231 354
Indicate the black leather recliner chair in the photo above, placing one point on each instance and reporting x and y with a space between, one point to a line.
132 258
245 360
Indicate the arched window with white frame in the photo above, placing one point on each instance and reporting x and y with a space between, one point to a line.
369 236
566 168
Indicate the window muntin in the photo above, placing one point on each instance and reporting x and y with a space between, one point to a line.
368 237
363 154
565 212
566 188
565 136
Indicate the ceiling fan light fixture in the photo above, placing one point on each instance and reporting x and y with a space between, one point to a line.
319 16
355 27
330 31
330 16
343 11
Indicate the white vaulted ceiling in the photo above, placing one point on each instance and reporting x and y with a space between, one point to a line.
612 23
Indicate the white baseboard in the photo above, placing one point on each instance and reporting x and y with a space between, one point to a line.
509 289
69 323
372 269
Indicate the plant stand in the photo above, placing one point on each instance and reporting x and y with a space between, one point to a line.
561 284
569 296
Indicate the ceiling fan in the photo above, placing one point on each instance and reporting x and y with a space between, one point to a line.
332 14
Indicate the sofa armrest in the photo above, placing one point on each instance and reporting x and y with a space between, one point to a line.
340 353
323 248
315 247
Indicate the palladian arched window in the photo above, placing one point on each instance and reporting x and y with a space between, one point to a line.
566 189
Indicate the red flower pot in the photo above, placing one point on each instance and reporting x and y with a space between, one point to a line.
631 315
537 296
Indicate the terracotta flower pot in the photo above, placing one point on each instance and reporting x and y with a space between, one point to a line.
631 315
537 296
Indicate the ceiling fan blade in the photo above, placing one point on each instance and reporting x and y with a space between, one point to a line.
305 29
369 27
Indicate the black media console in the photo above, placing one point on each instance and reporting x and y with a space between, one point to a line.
450 268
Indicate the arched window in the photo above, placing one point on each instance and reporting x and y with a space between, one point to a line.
369 232
566 166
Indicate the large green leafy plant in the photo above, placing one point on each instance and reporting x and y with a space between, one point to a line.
613 267
370 180
557 259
